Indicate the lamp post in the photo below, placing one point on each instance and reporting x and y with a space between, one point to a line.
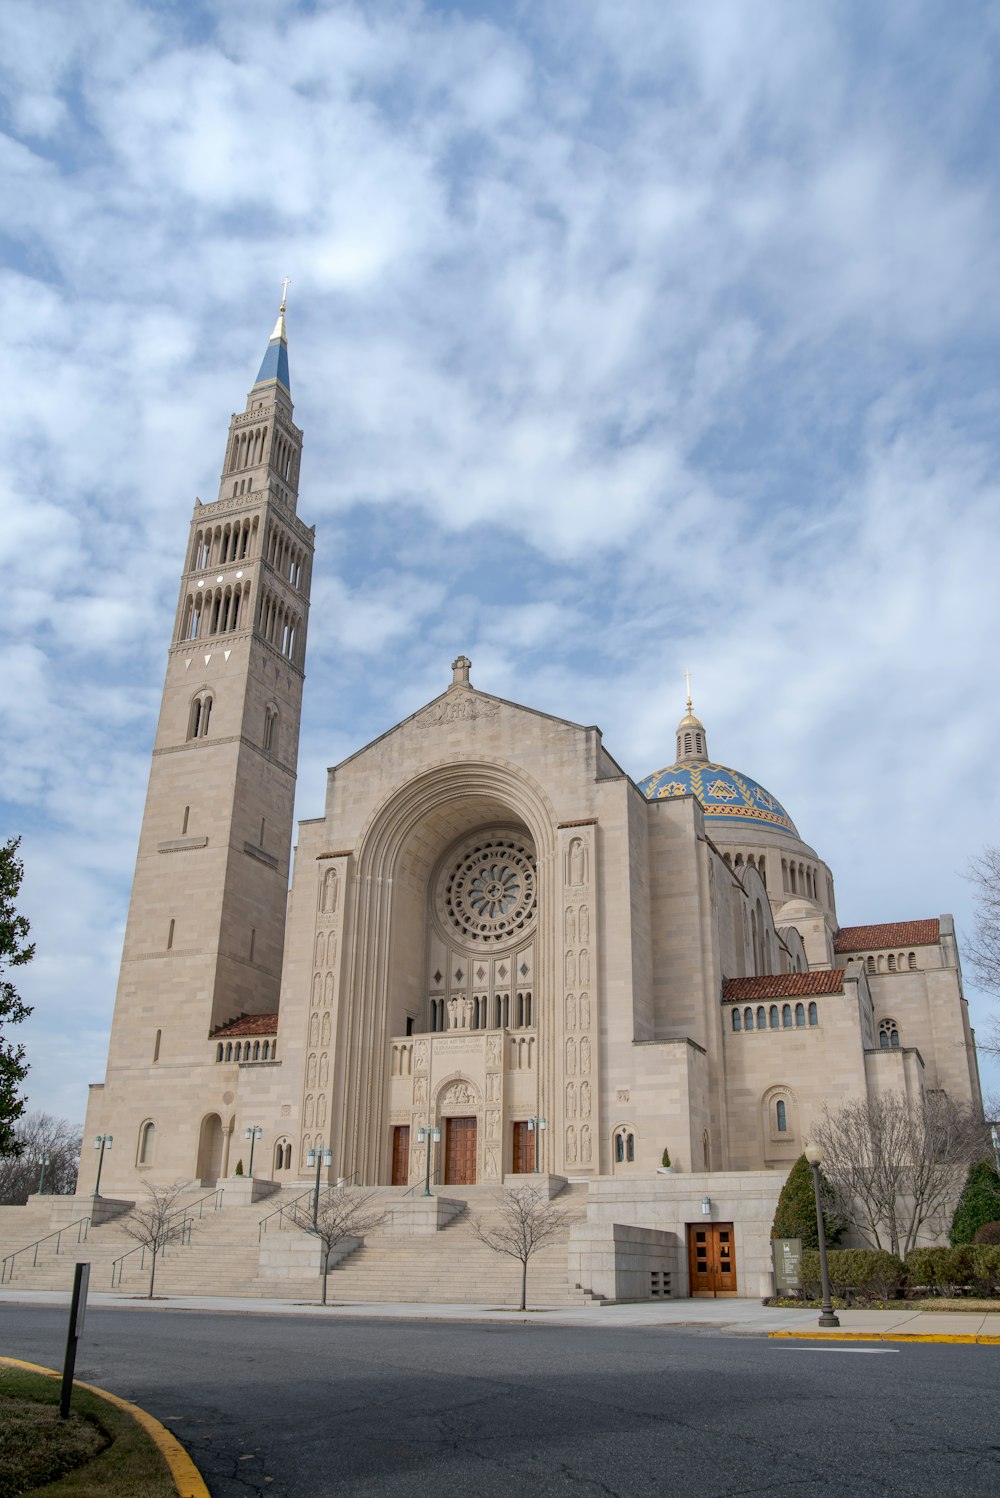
536 1127
253 1133
428 1136
318 1157
814 1154
102 1142
41 1179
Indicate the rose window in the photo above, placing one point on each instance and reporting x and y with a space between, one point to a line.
489 896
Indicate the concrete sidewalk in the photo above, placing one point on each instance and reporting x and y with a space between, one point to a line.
746 1318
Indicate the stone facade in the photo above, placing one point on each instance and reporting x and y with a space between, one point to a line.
491 931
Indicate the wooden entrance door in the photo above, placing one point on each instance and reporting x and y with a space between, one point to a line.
711 1260
523 1158
401 1155
460 1152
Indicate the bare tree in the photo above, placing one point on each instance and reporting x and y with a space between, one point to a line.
158 1222
894 1165
982 950
344 1212
48 1152
527 1221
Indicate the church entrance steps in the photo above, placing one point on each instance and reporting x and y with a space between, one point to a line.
453 1267
224 1255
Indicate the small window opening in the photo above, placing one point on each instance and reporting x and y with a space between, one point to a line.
156 1046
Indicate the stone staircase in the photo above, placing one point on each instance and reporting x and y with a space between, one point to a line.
222 1256
452 1266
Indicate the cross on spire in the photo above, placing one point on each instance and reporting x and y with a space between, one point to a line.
687 681
286 282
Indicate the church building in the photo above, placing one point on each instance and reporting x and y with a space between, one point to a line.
490 929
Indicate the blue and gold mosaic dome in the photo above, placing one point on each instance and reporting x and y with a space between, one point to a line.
726 795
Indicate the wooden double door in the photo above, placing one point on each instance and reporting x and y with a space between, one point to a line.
711 1259
460 1151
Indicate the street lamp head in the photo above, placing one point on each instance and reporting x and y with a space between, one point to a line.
328 1157
311 1158
814 1153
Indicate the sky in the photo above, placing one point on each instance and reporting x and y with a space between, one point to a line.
627 336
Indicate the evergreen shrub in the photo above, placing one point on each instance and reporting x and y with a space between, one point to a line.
978 1204
947 1271
239 1168
988 1233
795 1215
872 1272
986 1268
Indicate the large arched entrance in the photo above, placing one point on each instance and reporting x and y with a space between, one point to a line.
452 958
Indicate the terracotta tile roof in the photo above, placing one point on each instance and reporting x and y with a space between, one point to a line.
782 985
895 934
249 1024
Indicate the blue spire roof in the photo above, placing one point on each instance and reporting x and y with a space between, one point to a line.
274 365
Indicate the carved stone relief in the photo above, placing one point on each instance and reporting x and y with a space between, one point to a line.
459 1094
419 1090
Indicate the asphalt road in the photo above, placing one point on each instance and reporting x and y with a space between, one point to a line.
304 1407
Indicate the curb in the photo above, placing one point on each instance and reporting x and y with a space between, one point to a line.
978 1339
187 1479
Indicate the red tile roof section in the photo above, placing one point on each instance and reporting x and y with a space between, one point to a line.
250 1024
782 985
895 934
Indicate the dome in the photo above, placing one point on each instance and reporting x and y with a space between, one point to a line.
727 796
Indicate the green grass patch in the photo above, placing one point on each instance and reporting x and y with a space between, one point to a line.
99 1450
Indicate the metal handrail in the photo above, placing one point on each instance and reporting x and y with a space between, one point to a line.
118 1265
185 1213
82 1225
280 1211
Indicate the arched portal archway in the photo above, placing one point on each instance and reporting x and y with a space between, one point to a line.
210 1149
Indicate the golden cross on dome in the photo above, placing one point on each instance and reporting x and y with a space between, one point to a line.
687 680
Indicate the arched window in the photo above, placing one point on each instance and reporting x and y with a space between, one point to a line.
229 1050
748 1019
219 1051
256 1050
239 1050
737 1023
800 1015
774 1016
147 1139
761 1017
813 1013
201 714
888 1035
271 730
891 964
911 962
624 1145
786 1016
870 965
781 1116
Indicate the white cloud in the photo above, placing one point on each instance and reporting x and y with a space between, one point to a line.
624 338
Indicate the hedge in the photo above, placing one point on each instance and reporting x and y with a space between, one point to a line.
949 1271
871 1272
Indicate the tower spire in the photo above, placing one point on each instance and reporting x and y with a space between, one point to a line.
274 365
692 741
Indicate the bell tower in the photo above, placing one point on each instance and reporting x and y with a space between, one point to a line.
205 931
